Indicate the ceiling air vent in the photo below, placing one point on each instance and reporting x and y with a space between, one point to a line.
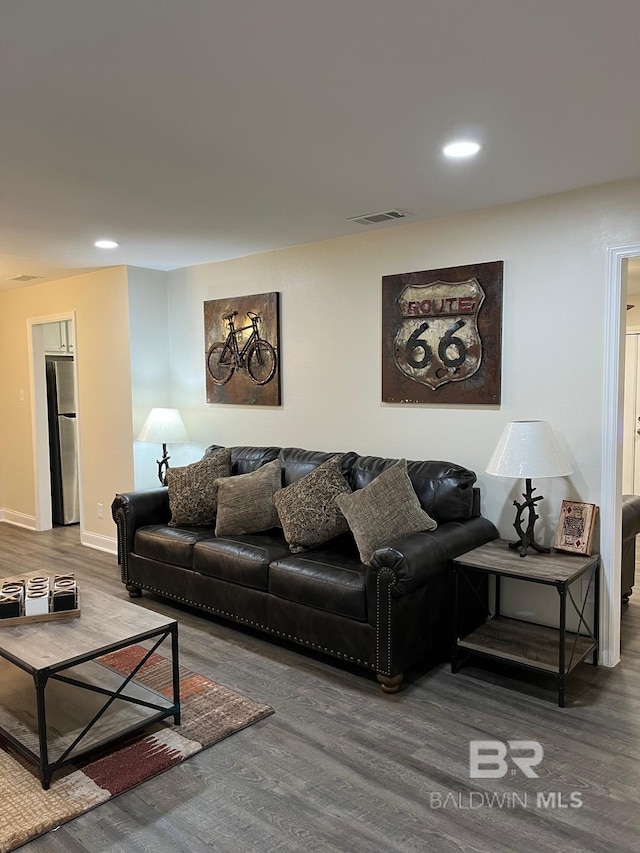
375 218
25 277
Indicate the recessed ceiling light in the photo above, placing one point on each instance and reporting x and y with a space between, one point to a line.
461 148
106 244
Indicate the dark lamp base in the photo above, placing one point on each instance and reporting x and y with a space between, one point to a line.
163 464
527 537
523 545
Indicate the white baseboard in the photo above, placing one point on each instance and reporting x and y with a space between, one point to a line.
91 540
19 519
100 542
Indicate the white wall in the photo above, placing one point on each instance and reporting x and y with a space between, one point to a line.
554 251
555 265
150 367
100 303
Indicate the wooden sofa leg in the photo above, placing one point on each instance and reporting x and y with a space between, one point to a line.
133 590
390 685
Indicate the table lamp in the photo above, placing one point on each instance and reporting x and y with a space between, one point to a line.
164 426
528 449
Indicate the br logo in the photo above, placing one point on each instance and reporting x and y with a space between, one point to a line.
488 758
438 340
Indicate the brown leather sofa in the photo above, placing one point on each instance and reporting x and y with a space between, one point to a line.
386 617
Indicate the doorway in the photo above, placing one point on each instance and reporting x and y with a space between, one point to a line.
631 421
51 336
618 259
631 440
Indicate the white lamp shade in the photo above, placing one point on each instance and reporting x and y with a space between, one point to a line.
164 426
529 450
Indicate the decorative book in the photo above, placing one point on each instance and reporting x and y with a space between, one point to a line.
576 526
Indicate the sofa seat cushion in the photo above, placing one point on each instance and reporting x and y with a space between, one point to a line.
321 579
240 559
172 545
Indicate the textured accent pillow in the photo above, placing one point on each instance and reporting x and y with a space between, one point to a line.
307 510
384 510
245 501
193 491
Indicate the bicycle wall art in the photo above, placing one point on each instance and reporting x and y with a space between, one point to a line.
242 349
442 335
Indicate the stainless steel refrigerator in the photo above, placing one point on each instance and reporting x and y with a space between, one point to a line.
65 504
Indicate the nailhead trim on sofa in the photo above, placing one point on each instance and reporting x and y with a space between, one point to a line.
266 628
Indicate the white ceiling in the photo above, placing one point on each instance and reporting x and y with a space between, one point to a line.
196 130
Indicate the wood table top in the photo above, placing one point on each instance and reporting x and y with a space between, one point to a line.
497 557
104 621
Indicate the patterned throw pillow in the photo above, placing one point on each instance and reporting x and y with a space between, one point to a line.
307 509
193 491
384 510
245 501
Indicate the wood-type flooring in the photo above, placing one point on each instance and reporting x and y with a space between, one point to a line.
343 767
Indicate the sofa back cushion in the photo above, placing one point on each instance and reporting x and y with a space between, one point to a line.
244 460
445 490
297 463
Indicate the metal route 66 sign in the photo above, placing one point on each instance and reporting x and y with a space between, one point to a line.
438 340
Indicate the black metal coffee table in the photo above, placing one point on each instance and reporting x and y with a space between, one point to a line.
57 702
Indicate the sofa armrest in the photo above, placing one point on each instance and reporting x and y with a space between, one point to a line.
132 510
416 559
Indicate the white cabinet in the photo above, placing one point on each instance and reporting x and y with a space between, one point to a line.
57 338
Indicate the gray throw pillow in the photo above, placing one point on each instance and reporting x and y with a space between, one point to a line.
193 491
384 510
307 509
245 501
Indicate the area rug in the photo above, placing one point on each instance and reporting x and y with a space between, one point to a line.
209 713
